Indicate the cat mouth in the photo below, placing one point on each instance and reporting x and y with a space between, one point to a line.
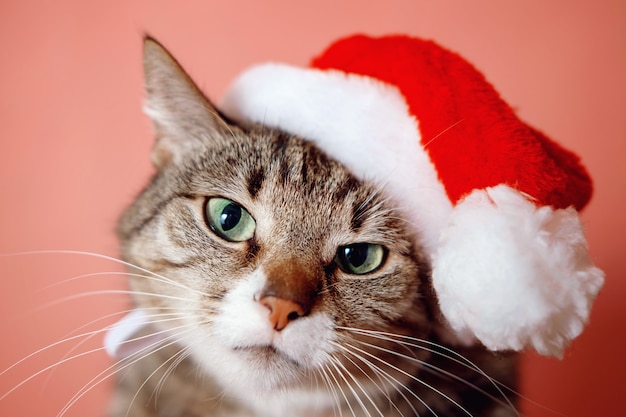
270 369
266 354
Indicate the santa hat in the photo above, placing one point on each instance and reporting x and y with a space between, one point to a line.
491 200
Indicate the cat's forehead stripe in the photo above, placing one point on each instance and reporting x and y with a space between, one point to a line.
255 181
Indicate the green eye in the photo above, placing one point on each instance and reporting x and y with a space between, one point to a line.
229 220
360 258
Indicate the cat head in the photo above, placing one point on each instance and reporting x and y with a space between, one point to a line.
268 259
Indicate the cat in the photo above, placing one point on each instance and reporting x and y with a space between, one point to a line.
276 283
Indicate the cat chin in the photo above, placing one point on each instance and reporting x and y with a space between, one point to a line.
254 370
266 382
265 361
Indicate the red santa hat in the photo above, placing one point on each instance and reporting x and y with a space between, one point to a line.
492 201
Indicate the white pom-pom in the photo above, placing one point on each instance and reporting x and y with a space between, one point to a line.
515 275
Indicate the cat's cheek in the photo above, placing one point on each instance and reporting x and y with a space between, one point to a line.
156 245
241 321
309 341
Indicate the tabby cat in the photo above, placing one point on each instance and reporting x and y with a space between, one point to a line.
279 284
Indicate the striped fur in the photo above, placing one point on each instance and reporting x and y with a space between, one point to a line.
366 345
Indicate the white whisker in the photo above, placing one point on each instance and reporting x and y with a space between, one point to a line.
41 371
331 388
456 357
338 384
413 377
182 354
339 367
438 135
100 256
147 379
142 353
68 358
174 316
154 277
86 336
379 373
110 292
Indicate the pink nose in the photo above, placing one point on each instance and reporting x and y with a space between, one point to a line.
281 311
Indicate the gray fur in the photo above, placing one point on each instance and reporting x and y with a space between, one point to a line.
305 205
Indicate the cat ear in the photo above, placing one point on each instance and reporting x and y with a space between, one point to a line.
183 117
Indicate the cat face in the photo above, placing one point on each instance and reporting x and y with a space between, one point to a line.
271 259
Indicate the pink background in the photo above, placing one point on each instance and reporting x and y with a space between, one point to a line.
74 149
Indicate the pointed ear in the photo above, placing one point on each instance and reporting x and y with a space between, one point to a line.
183 117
